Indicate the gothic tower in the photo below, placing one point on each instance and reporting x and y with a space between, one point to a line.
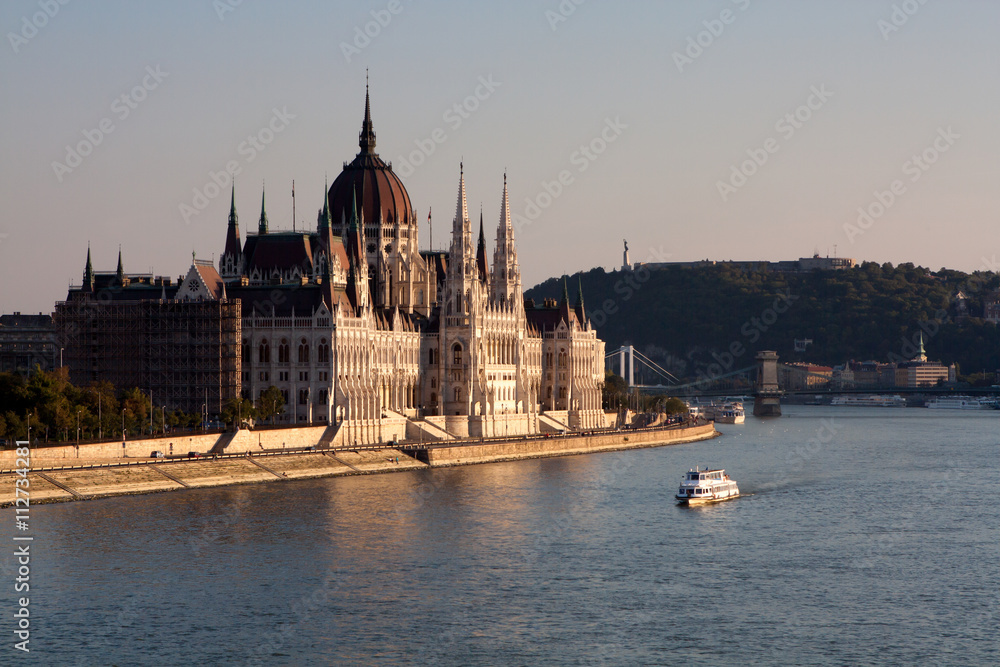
231 262
506 271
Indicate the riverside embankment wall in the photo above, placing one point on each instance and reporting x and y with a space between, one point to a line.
241 441
564 445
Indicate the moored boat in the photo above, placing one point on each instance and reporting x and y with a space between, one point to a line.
726 413
959 403
706 486
871 401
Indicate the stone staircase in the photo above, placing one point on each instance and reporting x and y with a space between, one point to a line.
418 429
553 422
329 438
225 439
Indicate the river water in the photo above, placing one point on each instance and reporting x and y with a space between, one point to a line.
864 536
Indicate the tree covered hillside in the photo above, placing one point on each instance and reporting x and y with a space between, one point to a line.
689 318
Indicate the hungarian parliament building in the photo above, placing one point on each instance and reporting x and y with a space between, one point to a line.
353 323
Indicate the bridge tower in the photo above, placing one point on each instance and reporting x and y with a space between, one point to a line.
767 395
627 371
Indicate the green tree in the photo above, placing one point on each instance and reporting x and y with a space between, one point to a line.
271 403
615 391
136 407
238 411
675 406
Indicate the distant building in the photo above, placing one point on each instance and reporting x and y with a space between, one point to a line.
868 374
825 263
27 341
991 307
913 374
842 377
798 376
801 265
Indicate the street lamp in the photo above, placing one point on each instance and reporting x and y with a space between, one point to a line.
163 416
77 428
123 427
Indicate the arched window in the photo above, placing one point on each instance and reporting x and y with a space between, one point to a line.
420 297
434 383
264 352
323 352
434 397
431 357
562 392
283 351
247 351
456 352
303 351
458 394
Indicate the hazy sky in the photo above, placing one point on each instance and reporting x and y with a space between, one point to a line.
724 129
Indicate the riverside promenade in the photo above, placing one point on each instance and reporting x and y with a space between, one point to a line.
90 473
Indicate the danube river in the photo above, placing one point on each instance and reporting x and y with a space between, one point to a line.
865 536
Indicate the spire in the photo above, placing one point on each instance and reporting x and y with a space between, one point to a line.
355 225
481 252
120 273
580 312
233 219
366 140
88 274
505 210
506 272
357 279
324 217
564 309
262 224
462 254
461 208
233 248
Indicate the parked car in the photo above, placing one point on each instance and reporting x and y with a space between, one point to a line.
156 455
194 455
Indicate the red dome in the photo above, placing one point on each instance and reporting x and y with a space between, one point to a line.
380 193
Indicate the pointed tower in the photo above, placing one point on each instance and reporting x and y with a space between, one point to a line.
581 314
120 272
366 140
357 279
481 265
461 259
506 271
564 308
88 274
323 220
262 223
231 261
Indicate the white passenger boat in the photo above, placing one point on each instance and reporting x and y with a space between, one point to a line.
727 413
959 403
872 401
706 486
